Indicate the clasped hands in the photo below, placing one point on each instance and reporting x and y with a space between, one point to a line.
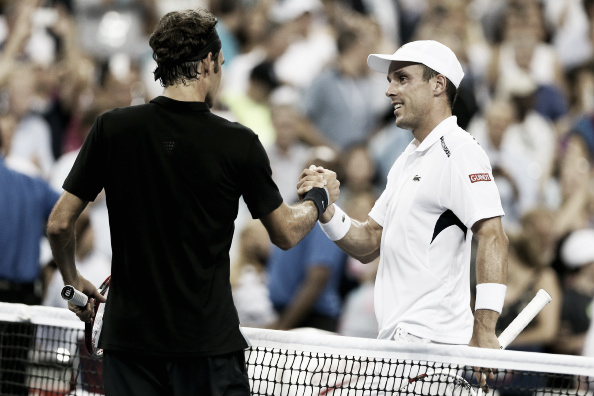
317 176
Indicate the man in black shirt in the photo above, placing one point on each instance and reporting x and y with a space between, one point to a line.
173 174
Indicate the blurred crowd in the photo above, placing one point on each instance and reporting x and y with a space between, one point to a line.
295 72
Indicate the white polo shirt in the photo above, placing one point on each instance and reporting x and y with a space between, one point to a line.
435 193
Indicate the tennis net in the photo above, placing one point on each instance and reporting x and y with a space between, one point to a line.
42 353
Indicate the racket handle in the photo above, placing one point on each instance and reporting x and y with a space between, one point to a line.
541 299
70 294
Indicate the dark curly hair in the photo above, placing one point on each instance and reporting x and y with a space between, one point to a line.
181 40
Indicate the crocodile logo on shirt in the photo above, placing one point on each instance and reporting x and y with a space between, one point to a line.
417 178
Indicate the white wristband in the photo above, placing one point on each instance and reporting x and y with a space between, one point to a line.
490 296
338 226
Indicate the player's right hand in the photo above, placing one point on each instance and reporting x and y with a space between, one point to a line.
87 312
317 176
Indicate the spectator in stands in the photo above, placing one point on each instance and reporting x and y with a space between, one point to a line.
582 105
230 20
267 45
529 270
578 291
61 82
575 175
448 23
569 23
312 43
532 133
524 49
359 171
588 349
358 316
248 277
32 140
386 145
342 101
288 153
511 168
252 109
571 194
304 281
25 205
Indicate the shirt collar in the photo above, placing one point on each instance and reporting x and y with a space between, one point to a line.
442 129
180 105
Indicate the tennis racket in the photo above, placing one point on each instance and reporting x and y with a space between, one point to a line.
439 382
446 381
92 328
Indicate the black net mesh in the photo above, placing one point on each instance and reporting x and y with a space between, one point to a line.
40 358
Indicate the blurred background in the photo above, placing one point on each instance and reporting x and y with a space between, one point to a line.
296 74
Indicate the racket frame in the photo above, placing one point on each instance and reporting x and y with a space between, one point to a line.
91 340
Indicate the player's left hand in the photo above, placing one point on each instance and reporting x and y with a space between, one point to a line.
483 336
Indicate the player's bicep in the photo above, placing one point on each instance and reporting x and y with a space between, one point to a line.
488 228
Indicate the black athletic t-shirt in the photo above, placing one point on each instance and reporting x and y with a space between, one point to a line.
173 174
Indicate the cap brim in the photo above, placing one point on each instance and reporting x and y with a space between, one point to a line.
381 63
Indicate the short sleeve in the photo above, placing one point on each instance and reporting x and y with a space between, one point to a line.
379 210
87 176
259 191
471 192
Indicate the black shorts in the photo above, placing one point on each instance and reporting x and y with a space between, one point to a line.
131 374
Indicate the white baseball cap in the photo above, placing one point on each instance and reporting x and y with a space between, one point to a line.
427 52
578 249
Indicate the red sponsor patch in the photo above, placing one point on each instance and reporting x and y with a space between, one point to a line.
477 177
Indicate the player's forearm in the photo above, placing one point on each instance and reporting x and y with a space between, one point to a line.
491 274
360 241
63 244
491 260
61 234
304 216
287 225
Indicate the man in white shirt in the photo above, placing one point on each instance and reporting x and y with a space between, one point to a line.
440 192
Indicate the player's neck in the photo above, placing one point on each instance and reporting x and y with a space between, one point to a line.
429 124
195 91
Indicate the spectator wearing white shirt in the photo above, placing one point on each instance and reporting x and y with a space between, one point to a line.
31 141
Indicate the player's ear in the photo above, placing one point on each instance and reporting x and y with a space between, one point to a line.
208 64
441 83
